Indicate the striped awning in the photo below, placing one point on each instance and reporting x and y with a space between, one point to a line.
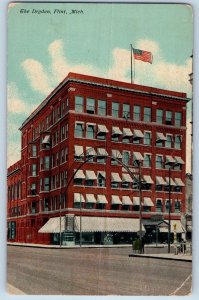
90 175
79 151
169 159
160 137
160 180
102 129
90 198
102 152
126 178
116 131
179 160
127 132
116 153
172 183
179 182
136 200
101 199
79 174
148 179
148 202
78 198
137 133
138 156
115 177
126 200
115 199
46 140
90 151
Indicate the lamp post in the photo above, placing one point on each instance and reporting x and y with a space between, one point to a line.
60 221
169 231
80 224
140 201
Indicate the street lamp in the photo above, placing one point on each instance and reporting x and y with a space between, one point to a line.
140 200
169 231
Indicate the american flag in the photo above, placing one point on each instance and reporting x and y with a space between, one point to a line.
143 55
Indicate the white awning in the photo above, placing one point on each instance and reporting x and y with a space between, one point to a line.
172 183
176 226
93 224
127 132
90 175
90 151
179 160
160 136
138 156
78 198
46 140
115 177
148 179
53 225
136 200
126 178
105 224
137 133
102 129
116 153
101 199
160 181
126 200
169 159
115 199
102 152
79 151
116 131
79 175
148 202
90 198
102 173
179 182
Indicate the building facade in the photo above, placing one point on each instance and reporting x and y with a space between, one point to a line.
90 152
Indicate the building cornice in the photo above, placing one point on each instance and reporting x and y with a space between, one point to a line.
96 84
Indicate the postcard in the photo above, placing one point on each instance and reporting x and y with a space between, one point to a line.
99 177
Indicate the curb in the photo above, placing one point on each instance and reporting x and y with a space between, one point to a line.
68 247
161 257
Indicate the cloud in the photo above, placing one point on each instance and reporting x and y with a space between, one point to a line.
60 67
38 78
15 104
13 152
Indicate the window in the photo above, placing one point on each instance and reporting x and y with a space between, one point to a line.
46 183
159 116
33 207
125 185
46 204
101 107
78 181
147 138
101 160
177 206
89 205
168 117
79 104
126 158
101 180
168 143
79 130
177 143
126 111
136 113
89 182
159 162
147 161
159 205
167 206
34 150
41 184
33 190
46 162
90 132
34 170
101 205
178 119
115 109
177 189
147 114
90 106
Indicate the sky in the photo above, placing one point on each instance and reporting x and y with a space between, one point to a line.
44 47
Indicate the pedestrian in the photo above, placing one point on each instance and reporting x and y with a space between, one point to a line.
142 244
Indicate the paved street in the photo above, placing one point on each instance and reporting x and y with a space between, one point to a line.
96 271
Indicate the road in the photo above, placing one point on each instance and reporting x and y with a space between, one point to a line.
94 271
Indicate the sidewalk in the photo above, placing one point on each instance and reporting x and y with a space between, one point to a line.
166 256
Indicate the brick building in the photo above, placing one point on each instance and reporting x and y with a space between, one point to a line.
70 178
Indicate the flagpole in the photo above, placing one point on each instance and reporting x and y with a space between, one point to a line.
134 70
131 63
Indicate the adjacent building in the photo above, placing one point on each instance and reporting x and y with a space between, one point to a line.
79 171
